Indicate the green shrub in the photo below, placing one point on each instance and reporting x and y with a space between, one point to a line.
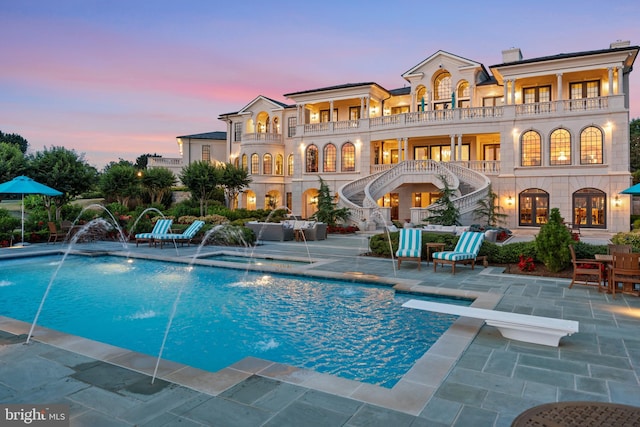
631 238
552 243
231 235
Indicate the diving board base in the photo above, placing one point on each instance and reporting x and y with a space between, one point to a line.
520 327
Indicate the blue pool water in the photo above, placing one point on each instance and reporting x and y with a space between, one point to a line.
352 330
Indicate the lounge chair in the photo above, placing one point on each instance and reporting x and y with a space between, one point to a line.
410 246
465 252
184 237
162 226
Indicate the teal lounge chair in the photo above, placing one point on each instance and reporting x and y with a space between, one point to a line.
410 247
184 237
465 252
162 226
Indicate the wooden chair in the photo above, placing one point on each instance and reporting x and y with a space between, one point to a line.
587 269
619 249
625 270
410 246
54 233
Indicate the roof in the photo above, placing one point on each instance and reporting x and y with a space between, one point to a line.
336 87
567 55
207 135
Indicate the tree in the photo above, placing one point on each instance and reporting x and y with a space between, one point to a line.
142 161
552 242
634 147
157 182
12 162
201 178
119 181
63 170
14 138
489 210
328 211
444 211
234 180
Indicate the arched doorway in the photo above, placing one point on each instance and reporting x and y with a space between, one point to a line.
589 208
272 200
309 202
250 199
533 207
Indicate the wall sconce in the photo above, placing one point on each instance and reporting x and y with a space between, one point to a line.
510 200
252 199
617 201
314 200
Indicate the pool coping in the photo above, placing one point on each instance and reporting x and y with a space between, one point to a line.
409 395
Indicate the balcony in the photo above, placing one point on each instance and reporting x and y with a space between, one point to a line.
262 137
460 116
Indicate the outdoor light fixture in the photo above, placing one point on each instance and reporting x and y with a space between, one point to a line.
509 200
616 201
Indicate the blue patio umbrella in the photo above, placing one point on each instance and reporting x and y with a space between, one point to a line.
422 103
634 190
24 185
453 100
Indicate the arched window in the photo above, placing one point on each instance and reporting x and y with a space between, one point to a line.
348 157
442 86
276 125
591 146
463 95
290 165
236 162
421 98
244 162
531 149
560 147
533 205
311 159
279 164
267 164
589 208
255 164
329 158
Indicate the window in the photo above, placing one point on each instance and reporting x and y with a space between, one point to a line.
311 159
443 87
289 200
324 116
276 125
255 164
267 164
348 157
329 161
581 90
236 162
354 113
531 149
244 162
421 98
402 109
442 153
206 153
463 95
591 146
290 165
589 208
560 147
291 127
279 164
237 132
492 152
533 207
492 101
532 95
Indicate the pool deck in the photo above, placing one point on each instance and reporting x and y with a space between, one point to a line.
471 377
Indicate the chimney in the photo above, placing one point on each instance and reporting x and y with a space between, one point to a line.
511 55
619 43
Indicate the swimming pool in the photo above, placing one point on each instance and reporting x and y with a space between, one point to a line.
352 330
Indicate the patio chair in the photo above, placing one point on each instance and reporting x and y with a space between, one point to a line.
54 233
185 237
618 249
586 269
162 226
625 270
410 246
465 252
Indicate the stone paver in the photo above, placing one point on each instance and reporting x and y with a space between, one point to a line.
492 381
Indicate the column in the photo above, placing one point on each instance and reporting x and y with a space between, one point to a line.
400 149
452 148
367 107
427 104
472 90
414 102
362 113
405 148
506 92
459 154
331 110
560 95
620 83
513 91
610 70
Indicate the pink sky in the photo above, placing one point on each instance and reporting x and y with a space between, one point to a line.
116 80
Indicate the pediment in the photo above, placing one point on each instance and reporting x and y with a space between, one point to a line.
441 60
261 103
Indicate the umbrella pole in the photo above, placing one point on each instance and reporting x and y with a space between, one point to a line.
22 222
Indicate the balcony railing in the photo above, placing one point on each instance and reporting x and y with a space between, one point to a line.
468 115
164 162
262 137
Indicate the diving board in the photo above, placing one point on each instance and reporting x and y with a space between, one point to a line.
515 326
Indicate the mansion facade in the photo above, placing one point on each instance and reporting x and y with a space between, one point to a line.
541 133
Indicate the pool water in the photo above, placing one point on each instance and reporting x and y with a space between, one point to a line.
356 331
274 262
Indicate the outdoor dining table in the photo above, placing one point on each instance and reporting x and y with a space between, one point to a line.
608 259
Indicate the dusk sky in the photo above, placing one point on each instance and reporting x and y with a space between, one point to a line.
117 79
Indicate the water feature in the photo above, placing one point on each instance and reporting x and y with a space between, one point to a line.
376 212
